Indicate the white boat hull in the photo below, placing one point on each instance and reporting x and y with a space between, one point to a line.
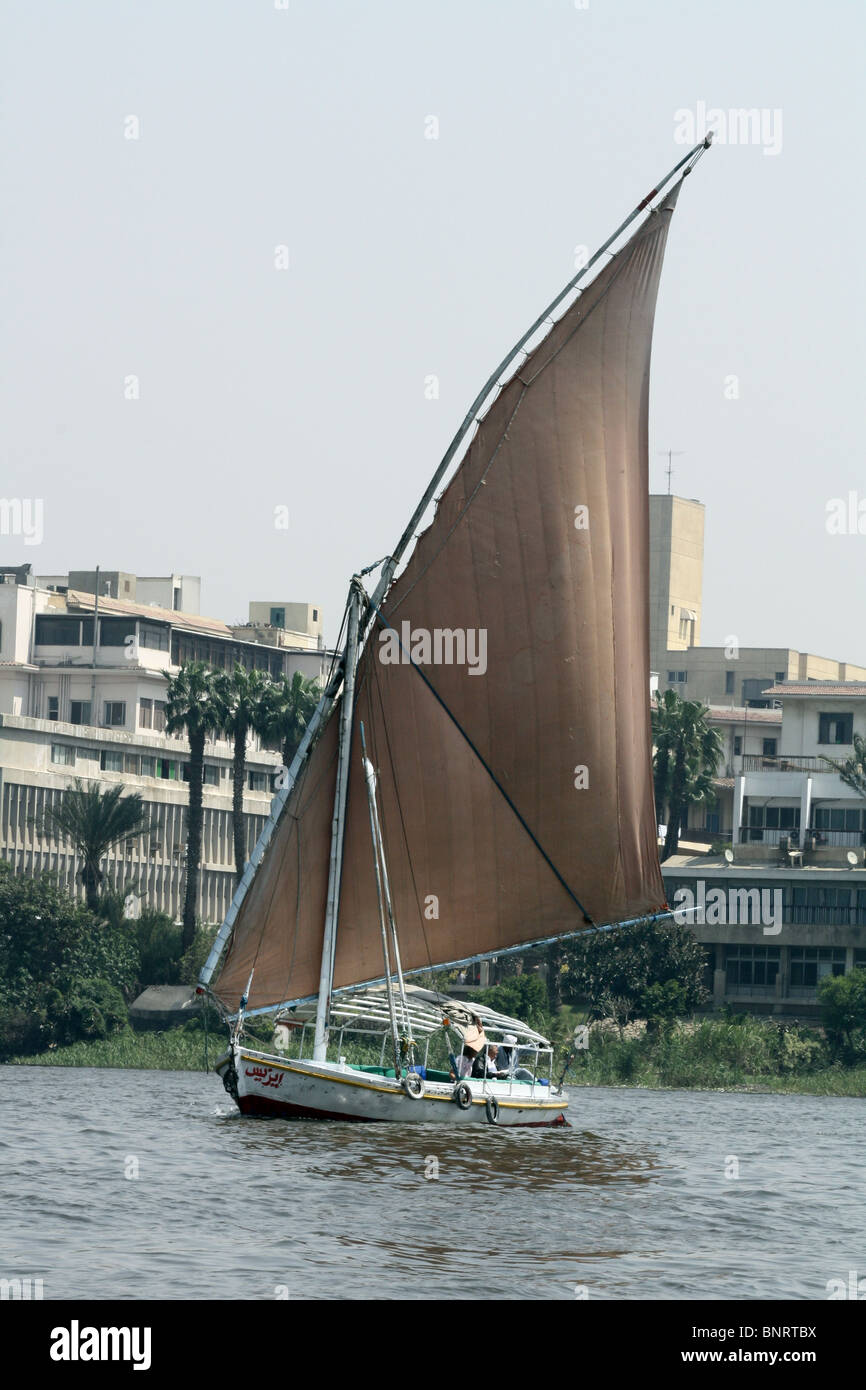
264 1084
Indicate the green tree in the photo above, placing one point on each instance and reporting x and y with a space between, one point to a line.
95 821
242 697
842 999
194 708
853 769
63 973
288 707
647 971
687 753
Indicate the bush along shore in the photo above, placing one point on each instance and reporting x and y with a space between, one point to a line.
737 1054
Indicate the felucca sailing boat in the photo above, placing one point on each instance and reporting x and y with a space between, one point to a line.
477 777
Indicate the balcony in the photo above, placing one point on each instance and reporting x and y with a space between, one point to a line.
794 762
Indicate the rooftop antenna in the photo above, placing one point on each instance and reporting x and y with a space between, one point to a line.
670 454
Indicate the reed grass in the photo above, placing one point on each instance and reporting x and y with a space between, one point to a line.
714 1054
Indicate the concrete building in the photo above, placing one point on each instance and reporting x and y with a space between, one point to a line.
294 626
746 734
790 907
179 592
771 932
728 675
742 675
676 576
82 694
795 793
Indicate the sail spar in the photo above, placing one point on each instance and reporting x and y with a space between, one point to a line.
503 686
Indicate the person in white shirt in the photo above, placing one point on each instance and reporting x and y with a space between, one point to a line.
508 1055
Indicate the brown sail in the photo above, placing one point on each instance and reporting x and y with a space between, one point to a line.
515 777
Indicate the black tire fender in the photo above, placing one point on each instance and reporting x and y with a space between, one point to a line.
491 1105
462 1095
413 1085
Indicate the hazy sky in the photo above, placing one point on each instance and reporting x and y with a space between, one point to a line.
260 126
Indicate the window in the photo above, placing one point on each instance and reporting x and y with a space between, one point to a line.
154 638
145 714
780 676
148 766
131 763
835 728
713 822
738 745
63 753
278 617
54 707
115 714
257 781
315 615
211 775
769 748
159 715
809 964
79 711
729 682
751 969
166 769
677 677
113 632
57 632
111 760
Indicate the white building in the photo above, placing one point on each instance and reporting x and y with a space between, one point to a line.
82 694
796 791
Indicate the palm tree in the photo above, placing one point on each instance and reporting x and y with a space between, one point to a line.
96 820
193 708
242 709
687 753
853 770
289 707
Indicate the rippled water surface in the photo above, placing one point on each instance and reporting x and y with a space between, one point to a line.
633 1201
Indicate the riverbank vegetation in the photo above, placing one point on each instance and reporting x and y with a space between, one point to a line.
730 1054
68 973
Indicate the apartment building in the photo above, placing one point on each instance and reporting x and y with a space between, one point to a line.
732 674
83 679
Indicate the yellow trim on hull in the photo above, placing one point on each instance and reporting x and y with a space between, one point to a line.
390 1091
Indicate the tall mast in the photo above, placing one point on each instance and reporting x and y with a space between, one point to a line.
335 867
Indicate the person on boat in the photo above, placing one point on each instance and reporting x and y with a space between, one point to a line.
507 1060
493 1063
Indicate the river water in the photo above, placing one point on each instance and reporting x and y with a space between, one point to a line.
145 1185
